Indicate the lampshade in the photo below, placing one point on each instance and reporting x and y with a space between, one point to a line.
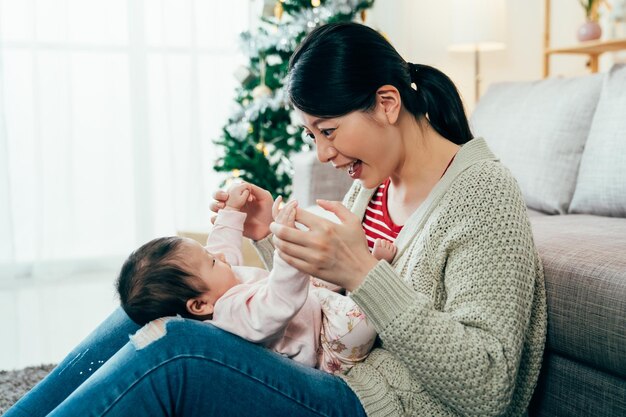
477 25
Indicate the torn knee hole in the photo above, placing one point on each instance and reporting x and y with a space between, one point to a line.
151 332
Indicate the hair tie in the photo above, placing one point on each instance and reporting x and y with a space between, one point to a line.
414 74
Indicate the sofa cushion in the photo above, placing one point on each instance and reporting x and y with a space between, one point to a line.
601 186
584 259
569 388
538 129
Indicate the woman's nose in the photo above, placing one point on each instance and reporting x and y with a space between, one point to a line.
325 151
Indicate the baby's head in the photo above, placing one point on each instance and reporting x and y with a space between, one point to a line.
172 275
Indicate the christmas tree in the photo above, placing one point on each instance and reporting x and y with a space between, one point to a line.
260 135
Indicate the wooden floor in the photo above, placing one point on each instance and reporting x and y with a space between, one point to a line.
42 321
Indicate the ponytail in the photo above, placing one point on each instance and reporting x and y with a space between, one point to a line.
439 99
338 68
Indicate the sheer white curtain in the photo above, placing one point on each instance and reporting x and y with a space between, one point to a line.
108 109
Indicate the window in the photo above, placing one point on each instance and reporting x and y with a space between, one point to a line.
108 109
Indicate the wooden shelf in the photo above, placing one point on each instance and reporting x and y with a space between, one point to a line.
591 47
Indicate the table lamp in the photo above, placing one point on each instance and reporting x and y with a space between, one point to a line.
477 25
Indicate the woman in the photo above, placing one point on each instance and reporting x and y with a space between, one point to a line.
460 311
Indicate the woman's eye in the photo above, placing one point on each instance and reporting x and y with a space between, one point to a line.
327 132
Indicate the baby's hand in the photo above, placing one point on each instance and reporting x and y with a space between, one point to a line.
238 194
384 250
287 215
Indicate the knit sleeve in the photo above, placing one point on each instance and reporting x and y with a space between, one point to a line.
265 249
351 195
467 353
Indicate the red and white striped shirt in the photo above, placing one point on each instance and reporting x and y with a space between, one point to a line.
377 223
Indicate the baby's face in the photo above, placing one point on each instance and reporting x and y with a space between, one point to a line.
212 268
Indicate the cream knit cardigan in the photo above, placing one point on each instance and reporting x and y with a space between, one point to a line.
461 310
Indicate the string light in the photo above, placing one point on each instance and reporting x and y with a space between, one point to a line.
262 148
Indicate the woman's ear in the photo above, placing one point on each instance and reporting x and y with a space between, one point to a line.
200 306
389 100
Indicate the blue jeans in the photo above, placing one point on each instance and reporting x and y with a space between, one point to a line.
182 368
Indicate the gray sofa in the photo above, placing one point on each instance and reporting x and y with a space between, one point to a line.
565 142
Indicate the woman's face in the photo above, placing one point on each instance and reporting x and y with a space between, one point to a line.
359 143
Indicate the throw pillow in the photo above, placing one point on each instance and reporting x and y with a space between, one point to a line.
601 187
538 130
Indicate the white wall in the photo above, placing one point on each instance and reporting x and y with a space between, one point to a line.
420 30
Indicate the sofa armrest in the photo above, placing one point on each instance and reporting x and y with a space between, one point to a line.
313 180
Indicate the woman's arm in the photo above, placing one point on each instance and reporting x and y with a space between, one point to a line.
467 353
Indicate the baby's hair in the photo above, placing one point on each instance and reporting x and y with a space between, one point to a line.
153 284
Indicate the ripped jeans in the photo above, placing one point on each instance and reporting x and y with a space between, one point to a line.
179 367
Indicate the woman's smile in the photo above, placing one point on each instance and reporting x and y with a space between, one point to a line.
355 169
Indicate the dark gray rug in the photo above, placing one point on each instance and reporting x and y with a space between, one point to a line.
14 384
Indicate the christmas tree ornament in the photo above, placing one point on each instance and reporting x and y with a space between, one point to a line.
261 91
363 15
316 3
278 10
243 74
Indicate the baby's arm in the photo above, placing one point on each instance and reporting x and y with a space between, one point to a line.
227 233
261 313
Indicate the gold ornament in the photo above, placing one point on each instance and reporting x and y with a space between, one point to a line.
315 3
363 15
261 91
236 173
278 10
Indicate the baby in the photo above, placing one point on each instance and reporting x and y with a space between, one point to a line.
302 318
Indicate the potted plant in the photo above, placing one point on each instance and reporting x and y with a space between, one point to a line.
590 30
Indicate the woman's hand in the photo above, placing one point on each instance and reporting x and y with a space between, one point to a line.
336 253
258 210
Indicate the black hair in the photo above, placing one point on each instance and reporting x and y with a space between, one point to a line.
152 283
338 68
